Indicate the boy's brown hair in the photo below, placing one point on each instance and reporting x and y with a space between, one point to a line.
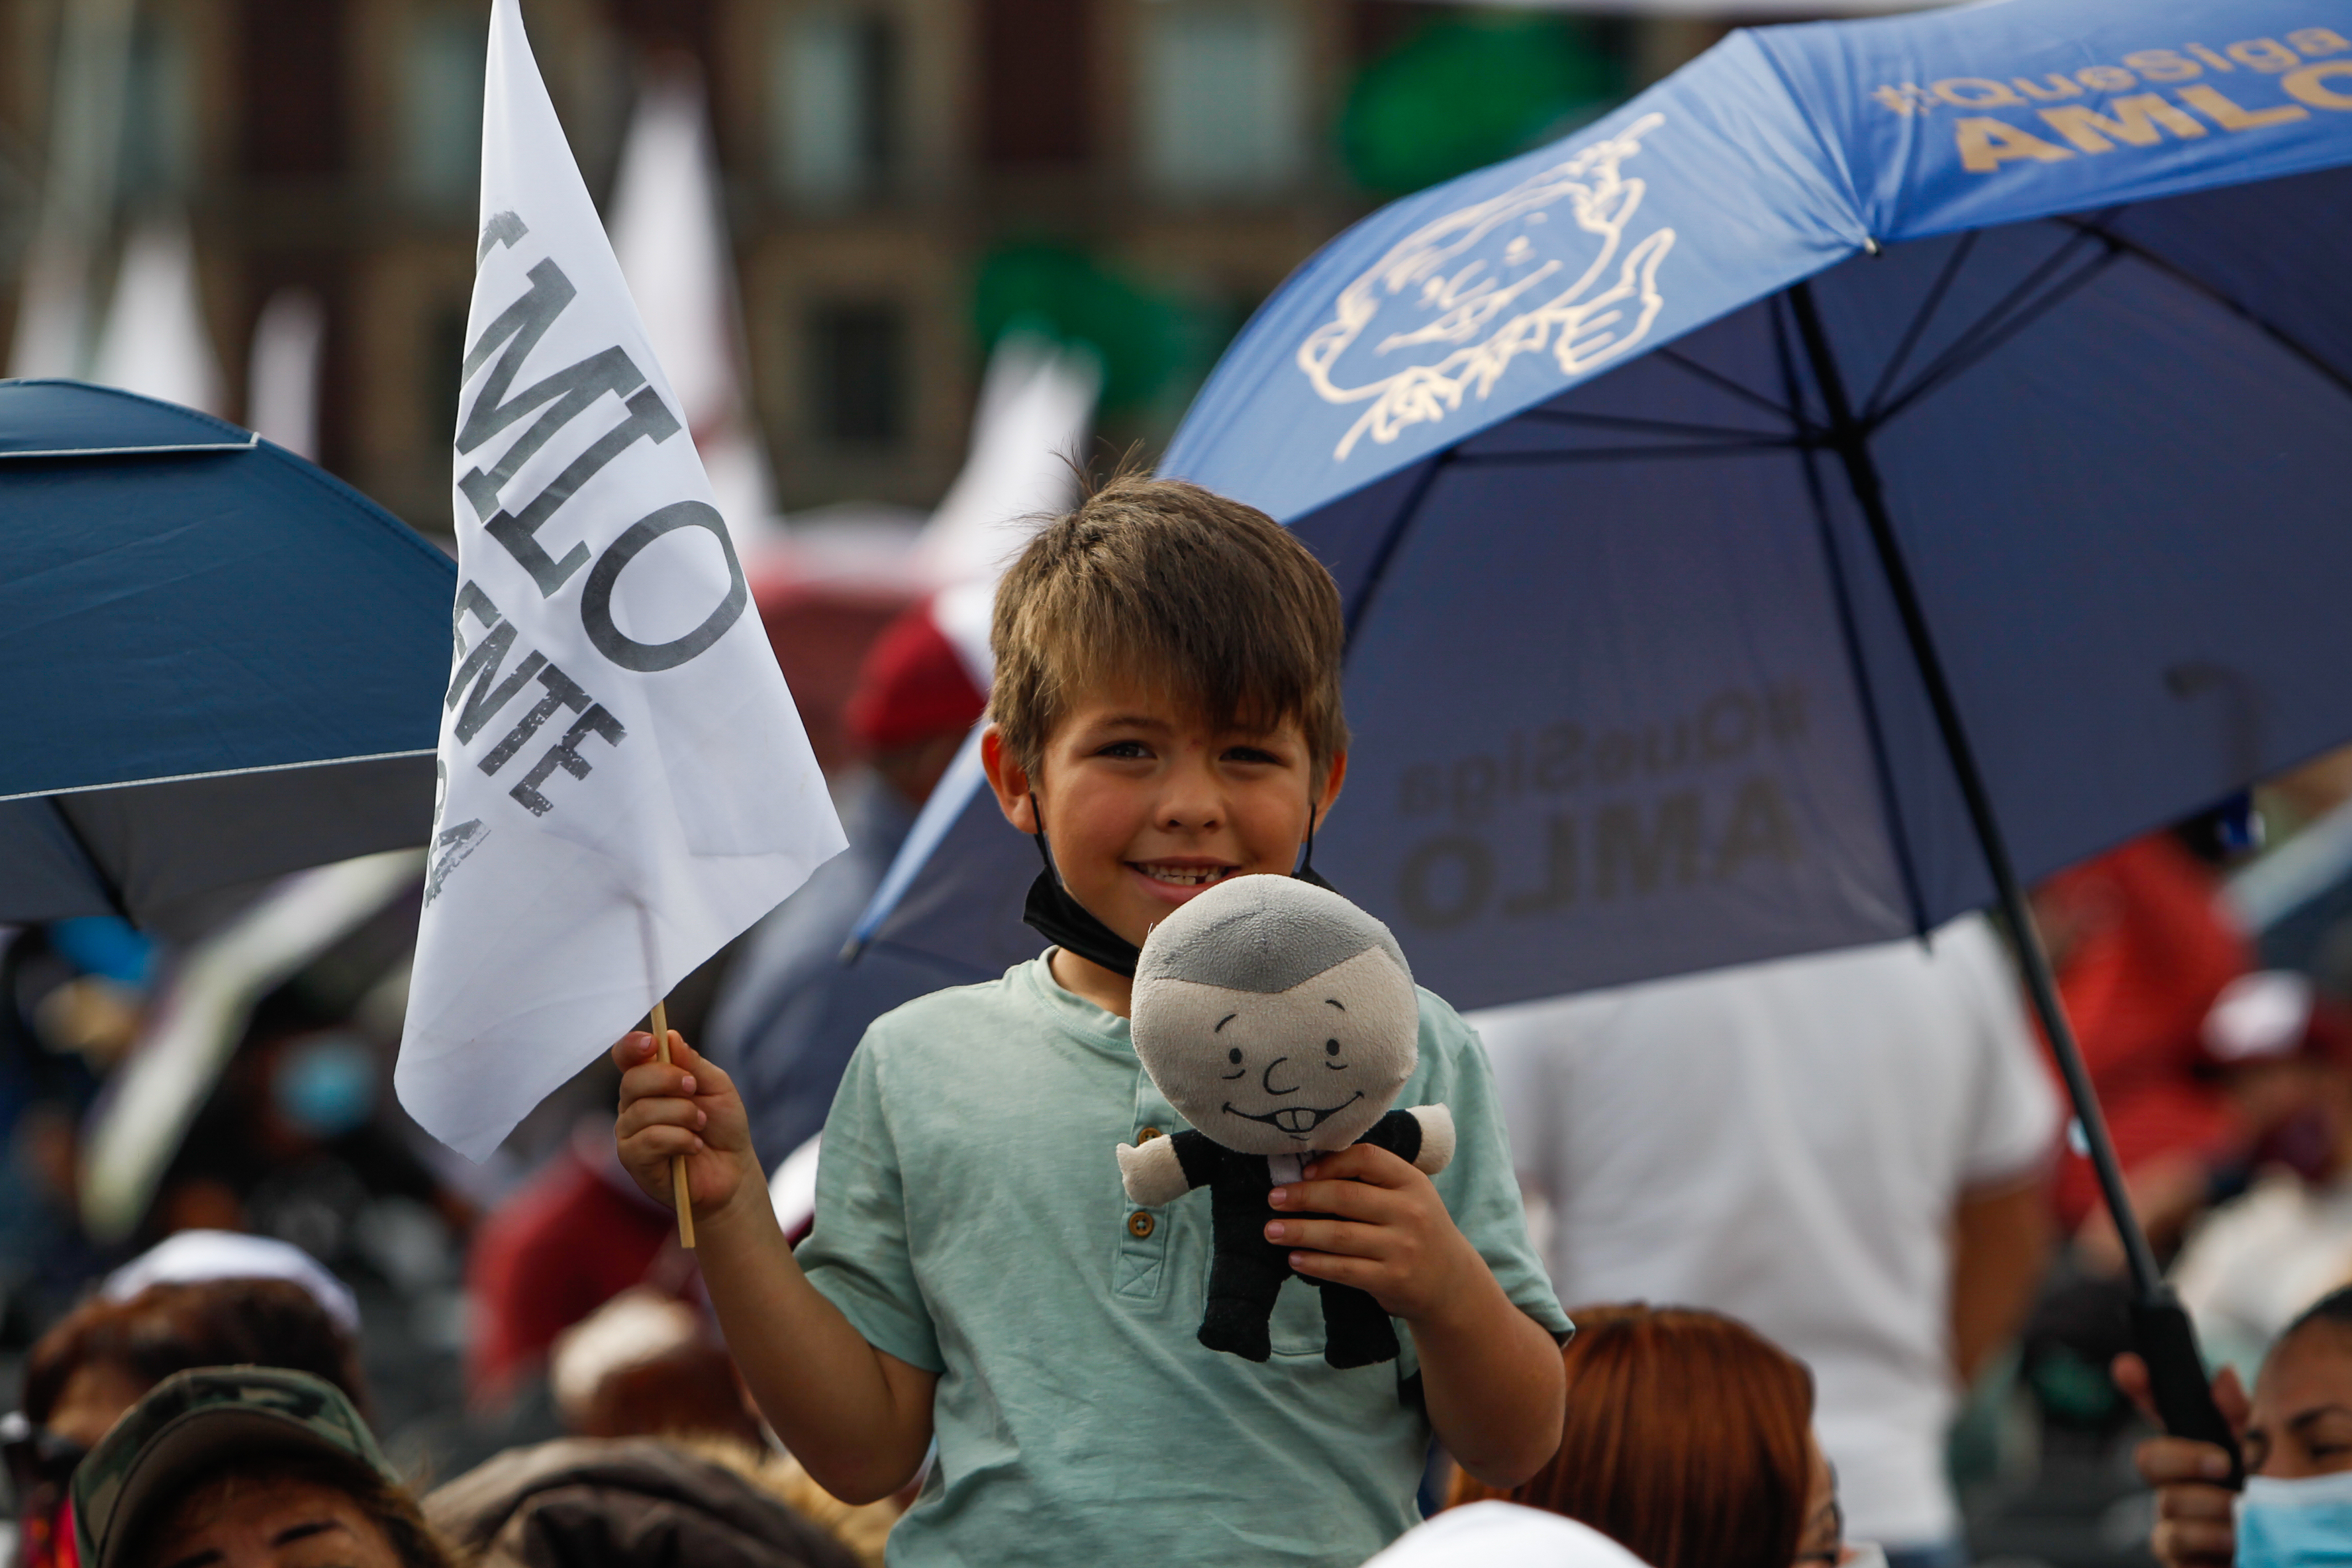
1181 591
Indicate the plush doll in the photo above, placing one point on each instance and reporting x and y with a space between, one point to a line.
1280 1020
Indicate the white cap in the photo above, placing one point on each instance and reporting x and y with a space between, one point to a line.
2257 1015
195 1256
1503 1535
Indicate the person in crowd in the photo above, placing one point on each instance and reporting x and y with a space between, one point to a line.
70 995
246 1467
1165 715
1849 1151
102 1357
645 1365
633 1503
298 1138
2295 1435
1689 1440
788 1012
576 1235
2144 948
2248 1267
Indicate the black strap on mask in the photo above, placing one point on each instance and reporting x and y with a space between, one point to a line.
1068 924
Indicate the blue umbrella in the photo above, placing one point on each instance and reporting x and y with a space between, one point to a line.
222 663
1885 461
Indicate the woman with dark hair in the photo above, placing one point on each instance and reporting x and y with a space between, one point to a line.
1688 1439
2295 1435
102 1358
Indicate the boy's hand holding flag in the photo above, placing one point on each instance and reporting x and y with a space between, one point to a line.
625 781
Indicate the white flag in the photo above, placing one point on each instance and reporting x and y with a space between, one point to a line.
624 782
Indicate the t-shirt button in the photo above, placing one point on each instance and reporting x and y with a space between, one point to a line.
1146 1135
1140 1225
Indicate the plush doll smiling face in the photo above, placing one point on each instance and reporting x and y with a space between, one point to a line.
1276 1017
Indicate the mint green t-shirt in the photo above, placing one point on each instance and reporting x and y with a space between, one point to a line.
970 1220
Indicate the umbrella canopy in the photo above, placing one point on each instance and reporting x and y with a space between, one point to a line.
223 664
1885 460
1600 443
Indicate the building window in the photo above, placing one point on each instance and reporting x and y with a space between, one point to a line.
856 359
836 104
441 102
1222 97
1034 82
294 92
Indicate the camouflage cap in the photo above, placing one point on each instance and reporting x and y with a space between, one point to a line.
195 1423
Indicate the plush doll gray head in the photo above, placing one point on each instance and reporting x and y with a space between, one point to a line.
1277 1017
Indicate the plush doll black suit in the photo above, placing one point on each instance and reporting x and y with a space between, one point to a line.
1247 1272
1280 1021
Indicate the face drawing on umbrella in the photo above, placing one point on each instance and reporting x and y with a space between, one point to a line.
1285 1027
1544 265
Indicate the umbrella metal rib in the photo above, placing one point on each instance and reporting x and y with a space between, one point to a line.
2016 310
1398 526
1834 563
1932 301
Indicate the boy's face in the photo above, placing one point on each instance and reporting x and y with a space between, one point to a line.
1145 805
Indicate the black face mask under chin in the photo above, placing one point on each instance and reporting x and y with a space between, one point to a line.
1068 924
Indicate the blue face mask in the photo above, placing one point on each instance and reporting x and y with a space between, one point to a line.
326 1085
2303 1524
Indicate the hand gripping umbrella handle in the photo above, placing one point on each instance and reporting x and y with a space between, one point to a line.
2176 1373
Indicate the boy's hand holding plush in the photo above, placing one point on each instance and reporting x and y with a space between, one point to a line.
686 1108
1281 1021
1379 1226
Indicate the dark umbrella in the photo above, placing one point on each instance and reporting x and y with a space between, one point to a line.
222 663
1883 462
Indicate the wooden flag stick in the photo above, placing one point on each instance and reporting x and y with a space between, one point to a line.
676 1161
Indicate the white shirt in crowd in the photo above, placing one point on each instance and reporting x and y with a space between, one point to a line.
1786 1142
2251 1265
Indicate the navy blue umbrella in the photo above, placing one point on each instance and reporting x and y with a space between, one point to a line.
1886 462
223 663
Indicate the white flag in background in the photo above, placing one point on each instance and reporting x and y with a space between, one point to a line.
154 340
1036 403
625 785
669 229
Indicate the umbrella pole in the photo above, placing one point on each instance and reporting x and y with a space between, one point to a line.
684 1204
2166 1340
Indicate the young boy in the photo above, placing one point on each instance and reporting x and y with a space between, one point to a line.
1165 715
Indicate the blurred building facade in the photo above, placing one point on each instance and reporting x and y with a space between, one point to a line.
904 178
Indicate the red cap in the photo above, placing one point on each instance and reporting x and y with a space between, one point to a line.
911 686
